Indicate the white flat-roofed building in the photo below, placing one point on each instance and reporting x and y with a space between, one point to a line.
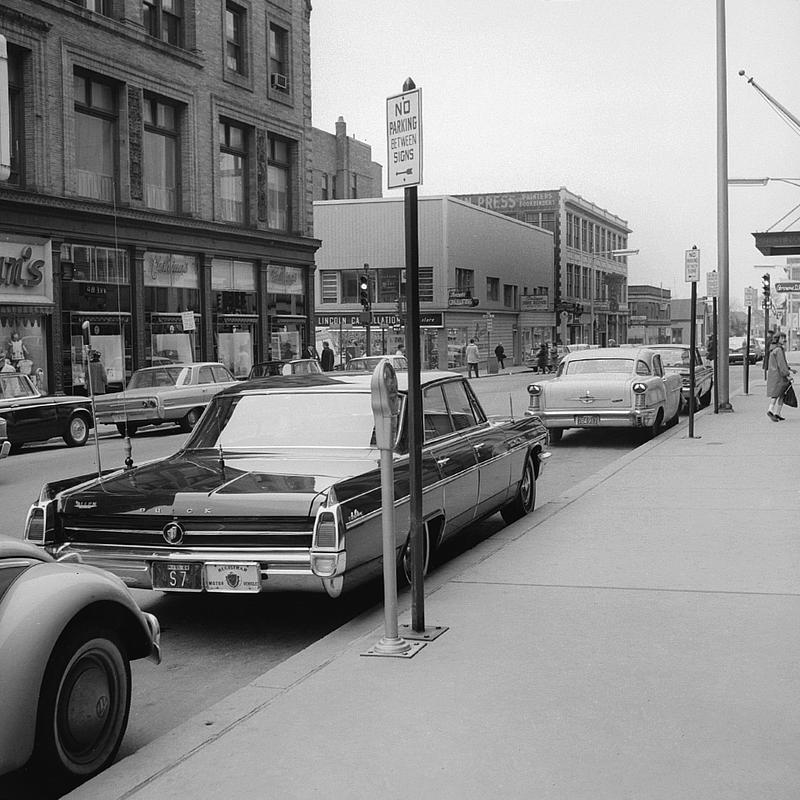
482 276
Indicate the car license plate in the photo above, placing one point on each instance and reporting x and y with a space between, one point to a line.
178 576
233 577
591 419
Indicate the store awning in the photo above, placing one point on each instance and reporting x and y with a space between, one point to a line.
782 243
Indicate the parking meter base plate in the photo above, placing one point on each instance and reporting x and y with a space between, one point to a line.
395 648
430 633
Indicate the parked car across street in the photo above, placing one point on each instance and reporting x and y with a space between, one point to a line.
173 393
35 417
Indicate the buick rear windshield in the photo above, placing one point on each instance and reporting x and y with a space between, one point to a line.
259 421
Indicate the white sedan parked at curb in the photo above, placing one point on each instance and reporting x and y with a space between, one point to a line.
608 387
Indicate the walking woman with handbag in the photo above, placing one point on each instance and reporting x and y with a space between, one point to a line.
778 377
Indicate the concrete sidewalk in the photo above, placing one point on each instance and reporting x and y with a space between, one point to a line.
636 638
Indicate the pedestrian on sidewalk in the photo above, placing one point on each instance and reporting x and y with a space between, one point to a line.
541 358
778 377
472 358
500 352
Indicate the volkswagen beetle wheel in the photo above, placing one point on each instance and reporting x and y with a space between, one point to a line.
83 706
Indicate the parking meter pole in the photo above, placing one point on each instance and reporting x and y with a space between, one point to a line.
716 355
692 346
746 361
385 412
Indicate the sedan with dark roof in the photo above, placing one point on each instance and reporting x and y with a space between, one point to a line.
279 487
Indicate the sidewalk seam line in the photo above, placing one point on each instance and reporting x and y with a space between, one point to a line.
623 588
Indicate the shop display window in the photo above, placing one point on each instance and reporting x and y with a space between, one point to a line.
23 347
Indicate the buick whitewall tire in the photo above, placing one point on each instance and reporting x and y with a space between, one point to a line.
77 432
525 498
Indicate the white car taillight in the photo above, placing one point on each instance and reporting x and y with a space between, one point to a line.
535 392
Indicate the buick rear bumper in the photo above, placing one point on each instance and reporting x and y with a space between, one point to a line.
285 569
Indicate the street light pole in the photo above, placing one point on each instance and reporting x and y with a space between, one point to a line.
722 214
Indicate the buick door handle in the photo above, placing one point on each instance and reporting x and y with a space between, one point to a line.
479 445
440 462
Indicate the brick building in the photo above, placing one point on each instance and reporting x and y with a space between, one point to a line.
343 168
161 164
649 314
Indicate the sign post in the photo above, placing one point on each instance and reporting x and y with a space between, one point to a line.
693 276
712 290
404 168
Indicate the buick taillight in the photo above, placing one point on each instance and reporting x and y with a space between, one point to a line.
328 558
639 390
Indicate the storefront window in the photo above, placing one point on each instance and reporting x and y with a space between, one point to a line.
171 287
285 291
234 299
23 342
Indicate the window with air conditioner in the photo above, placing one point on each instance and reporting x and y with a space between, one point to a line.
279 58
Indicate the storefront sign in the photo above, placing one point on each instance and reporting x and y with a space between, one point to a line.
93 289
512 201
26 271
431 319
284 280
534 302
170 269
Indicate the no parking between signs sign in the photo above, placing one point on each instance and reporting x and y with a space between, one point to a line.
404 139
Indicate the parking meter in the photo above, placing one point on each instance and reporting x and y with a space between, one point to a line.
385 404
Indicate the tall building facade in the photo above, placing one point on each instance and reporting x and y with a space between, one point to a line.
161 185
343 168
590 281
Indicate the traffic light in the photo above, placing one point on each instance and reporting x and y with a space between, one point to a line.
363 291
765 287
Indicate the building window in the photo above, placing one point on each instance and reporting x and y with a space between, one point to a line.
278 168
233 171
492 288
570 280
160 155
333 186
98 6
279 58
584 236
325 186
465 279
425 285
353 186
164 20
547 220
509 295
16 109
329 280
95 137
677 335
234 38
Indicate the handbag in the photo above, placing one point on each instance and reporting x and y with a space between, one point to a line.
789 397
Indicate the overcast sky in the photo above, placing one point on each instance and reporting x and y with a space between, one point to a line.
614 99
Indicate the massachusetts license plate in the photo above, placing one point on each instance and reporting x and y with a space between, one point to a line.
233 577
591 419
177 576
